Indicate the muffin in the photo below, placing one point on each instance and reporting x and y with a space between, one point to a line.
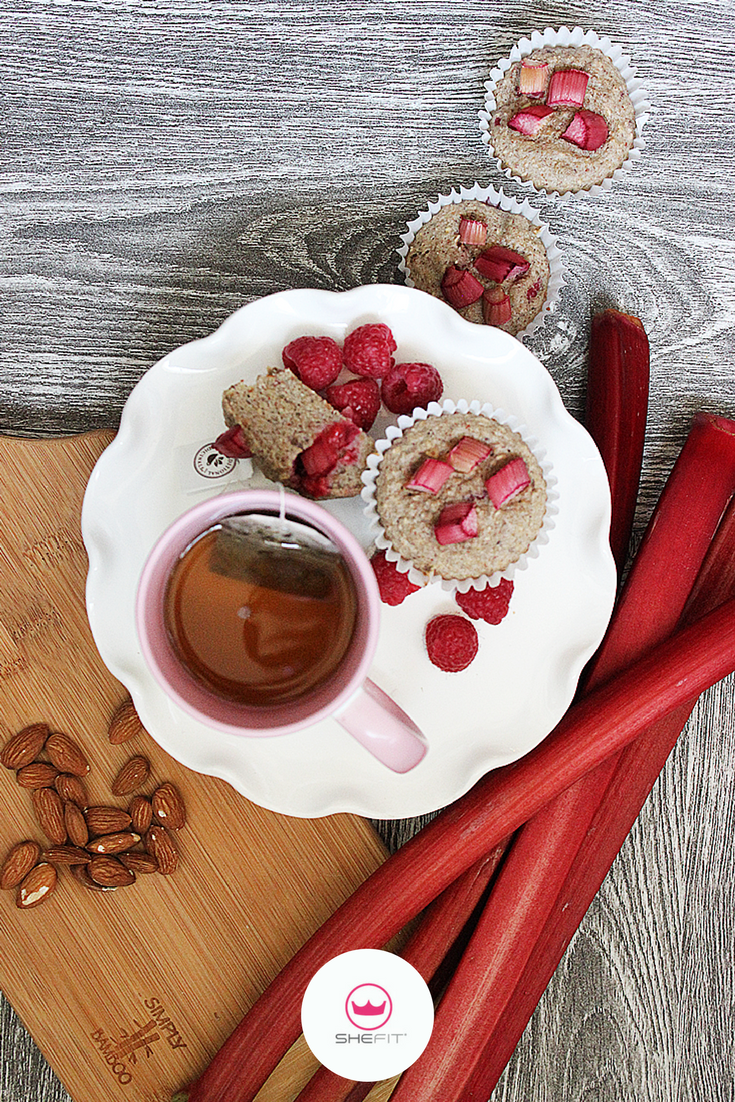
457 494
561 116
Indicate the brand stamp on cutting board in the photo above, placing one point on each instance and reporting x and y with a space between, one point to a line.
128 1047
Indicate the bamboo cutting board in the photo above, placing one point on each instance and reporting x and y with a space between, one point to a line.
129 993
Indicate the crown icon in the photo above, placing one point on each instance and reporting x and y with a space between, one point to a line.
368 1008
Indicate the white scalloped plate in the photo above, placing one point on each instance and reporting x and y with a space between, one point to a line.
526 670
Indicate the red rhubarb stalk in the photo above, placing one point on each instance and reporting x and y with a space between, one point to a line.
599 725
637 770
440 927
617 405
544 851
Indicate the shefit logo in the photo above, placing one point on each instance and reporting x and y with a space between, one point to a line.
365 990
366 1014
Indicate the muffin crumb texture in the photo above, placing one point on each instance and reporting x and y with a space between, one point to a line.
411 518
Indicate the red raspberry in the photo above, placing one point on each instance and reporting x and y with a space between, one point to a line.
316 360
393 585
358 399
489 604
411 385
368 350
451 642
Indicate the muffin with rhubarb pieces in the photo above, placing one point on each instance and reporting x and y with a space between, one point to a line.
564 113
456 494
295 436
487 256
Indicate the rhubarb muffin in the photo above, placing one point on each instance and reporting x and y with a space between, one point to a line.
561 118
490 264
458 495
296 437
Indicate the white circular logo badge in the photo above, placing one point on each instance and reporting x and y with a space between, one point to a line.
367 1015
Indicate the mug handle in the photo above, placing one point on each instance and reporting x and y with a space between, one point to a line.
383 728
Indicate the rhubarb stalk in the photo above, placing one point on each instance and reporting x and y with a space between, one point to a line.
546 846
637 770
602 723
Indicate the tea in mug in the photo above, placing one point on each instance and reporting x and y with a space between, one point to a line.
260 628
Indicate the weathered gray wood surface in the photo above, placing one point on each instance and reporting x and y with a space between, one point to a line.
164 162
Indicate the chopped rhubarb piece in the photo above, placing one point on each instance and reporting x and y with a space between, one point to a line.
460 288
431 476
233 444
457 523
315 463
500 264
496 306
529 120
508 482
587 130
533 78
467 453
472 231
567 88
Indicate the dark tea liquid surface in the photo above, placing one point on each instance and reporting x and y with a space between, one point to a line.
250 641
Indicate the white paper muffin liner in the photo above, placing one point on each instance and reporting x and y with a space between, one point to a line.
504 202
564 37
434 409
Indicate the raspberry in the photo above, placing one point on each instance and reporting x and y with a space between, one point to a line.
358 399
368 350
451 642
393 585
489 604
316 360
411 385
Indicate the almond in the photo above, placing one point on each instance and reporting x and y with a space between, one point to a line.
141 813
66 755
37 886
139 862
124 724
72 789
106 820
133 774
160 844
19 863
65 855
109 872
168 806
76 824
24 747
49 812
81 873
114 843
38 774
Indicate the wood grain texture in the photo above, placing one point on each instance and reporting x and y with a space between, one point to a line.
164 162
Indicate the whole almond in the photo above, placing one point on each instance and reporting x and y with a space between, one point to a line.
81 873
168 806
72 789
133 774
124 724
160 844
76 824
141 813
66 855
37 774
19 863
37 886
24 747
109 872
66 755
139 862
114 843
49 812
106 820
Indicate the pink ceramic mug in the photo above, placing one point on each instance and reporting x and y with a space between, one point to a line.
348 696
